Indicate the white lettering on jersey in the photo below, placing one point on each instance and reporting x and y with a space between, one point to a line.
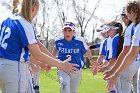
6 36
71 50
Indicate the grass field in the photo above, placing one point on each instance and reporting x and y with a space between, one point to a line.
89 84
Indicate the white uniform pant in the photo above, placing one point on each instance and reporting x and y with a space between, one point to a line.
69 83
129 78
14 77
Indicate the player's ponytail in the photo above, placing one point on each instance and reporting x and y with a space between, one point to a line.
15 6
26 8
121 37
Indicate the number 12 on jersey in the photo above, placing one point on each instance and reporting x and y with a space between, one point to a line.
5 34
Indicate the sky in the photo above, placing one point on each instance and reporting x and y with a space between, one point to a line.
107 10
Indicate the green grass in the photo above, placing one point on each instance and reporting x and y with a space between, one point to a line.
89 84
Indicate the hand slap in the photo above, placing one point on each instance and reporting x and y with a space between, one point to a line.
47 68
69 67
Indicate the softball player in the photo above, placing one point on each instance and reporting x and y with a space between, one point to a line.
129 78
133 11
75 47
17 37
113 44
103 49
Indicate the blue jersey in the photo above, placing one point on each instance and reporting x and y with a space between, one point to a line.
15 35
103 47
112 47
76 48
113 50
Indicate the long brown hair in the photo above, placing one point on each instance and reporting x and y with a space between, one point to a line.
134 6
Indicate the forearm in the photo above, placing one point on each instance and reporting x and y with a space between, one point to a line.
100 59
38 63
90 57
42 57
120 58
111 63
89 54
118 62
128 60
44 49
48 60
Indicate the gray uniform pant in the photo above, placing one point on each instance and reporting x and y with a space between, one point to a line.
129 78
69 82
14 77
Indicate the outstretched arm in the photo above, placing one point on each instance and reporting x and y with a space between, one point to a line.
42 57
128 60
44 49
118 62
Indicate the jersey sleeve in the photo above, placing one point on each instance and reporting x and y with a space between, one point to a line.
95 46
127 37
136 37
115 47
27 33
103 47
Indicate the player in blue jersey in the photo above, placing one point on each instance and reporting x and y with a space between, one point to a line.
129 78
75 47
114 31
17 39
133 13
103 48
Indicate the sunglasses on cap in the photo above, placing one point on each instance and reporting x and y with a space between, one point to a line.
70 25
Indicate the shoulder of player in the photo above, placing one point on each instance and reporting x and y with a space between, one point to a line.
23 22
129 29
78 38
59 39
137 27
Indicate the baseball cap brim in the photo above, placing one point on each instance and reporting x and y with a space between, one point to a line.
107 28
72 28
103 29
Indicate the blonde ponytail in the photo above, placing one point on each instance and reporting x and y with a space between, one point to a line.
26 8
